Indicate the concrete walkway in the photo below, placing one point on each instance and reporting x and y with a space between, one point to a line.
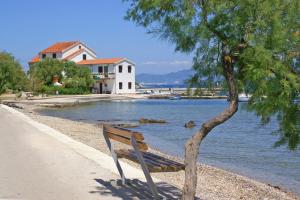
34 165
37 162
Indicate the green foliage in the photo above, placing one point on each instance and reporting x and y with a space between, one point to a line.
198 92
188 91
76 80
52 90
41 73
76 76
12 75
260 39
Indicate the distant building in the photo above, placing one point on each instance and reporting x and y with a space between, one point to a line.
112 75
70 51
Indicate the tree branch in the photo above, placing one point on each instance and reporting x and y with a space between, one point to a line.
221 36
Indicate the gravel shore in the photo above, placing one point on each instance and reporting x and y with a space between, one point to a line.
213 183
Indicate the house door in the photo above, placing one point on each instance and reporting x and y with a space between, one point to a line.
101 88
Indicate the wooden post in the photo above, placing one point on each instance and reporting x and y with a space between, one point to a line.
114 155
145 169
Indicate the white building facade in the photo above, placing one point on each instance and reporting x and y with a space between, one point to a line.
112 75
70 51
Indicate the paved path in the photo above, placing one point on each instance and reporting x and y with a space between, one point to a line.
34 165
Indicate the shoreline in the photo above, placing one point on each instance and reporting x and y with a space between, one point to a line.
69 100
213 182
73 100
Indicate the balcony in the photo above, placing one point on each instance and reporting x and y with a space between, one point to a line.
99 76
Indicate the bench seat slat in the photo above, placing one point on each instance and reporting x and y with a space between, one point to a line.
154 163
141 145
163 161
124 132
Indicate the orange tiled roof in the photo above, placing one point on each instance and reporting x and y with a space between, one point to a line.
35 59
59 47
69 57
100 61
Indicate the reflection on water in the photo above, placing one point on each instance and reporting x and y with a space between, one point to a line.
241 144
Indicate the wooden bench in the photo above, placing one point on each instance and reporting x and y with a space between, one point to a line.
149 162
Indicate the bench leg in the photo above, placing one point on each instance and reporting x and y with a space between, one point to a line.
145 169
115 157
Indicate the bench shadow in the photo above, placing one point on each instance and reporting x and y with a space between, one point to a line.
136 189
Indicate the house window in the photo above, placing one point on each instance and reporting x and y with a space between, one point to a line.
129 68
43 55
129 85
100 69
54 55
120 68
79 47
84 57
105 69
120 85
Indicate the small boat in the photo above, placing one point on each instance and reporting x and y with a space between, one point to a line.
244 97
177 97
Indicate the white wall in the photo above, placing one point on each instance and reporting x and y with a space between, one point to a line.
125 77
110 85
79 57
76 48
89 54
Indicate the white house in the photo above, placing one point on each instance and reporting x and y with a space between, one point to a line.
112 75
72 51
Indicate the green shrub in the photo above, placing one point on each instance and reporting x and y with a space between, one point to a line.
198 92
76 80
12 75
51 90
188 91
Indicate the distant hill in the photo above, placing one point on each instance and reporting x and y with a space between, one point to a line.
175 78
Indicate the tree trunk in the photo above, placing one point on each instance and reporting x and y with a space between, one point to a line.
193 144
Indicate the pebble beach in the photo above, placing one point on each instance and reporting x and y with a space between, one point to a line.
213 183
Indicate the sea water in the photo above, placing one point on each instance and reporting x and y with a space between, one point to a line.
242 144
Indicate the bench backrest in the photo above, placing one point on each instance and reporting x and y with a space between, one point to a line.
124 136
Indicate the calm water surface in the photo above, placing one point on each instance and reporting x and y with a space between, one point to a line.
240 145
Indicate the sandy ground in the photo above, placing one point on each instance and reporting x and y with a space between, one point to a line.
213 183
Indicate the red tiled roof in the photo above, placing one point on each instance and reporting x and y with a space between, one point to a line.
69 57
59 47
100 61
35 59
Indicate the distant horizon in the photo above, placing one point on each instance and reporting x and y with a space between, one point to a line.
166 72
31 26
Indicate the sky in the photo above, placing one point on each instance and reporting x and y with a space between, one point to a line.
29 26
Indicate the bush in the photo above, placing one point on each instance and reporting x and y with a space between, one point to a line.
75 83
51 90
189 91
12 75
73 91
198 92
77 80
